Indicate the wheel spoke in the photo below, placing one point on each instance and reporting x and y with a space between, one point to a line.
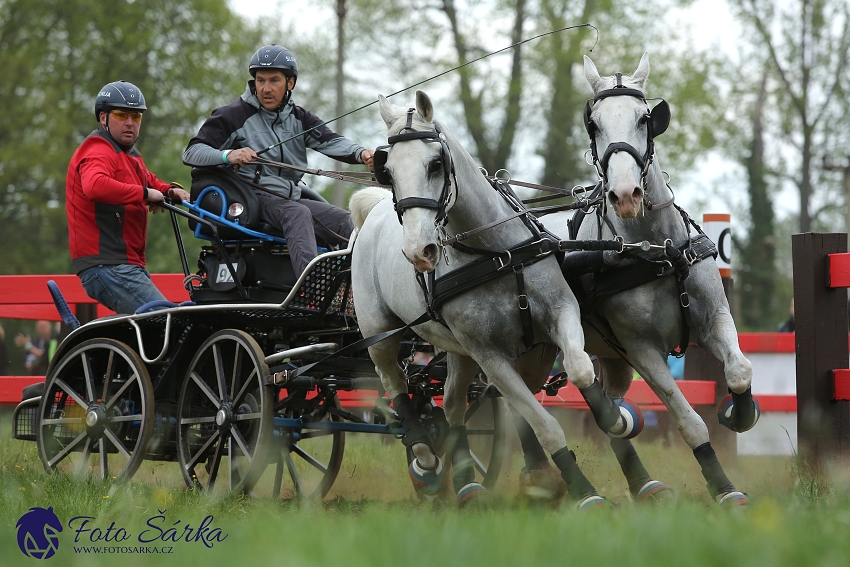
121 390
206 389
81 470
109 368
194 420
237 435
71 392
247 416
490 432
310 459
293 474
237 366
104 459
61 420
473 407
478 464
116 442
87 371
216 463
244 388
120 418
61 454
219 371
194 460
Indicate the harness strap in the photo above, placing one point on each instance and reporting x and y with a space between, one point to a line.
524 309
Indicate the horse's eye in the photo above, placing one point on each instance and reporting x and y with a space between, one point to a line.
435 166
643 119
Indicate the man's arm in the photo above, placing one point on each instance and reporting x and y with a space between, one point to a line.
217 134
96 175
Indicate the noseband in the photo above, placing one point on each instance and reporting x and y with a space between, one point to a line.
658 119
407 133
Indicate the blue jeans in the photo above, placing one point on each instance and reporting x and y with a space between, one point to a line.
121 287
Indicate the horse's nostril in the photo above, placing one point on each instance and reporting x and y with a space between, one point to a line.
612 197
430 252
637 193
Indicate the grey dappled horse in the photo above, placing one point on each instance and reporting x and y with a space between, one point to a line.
646 320
483 325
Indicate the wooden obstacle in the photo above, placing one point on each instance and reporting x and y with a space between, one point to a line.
821 278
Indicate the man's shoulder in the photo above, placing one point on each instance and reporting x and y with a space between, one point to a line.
235 112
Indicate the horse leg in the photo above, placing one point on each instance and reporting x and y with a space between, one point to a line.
426 470
616 374
618 420
461 372
652 365
739 411
506 378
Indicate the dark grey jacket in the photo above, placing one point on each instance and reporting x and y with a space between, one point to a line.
244 123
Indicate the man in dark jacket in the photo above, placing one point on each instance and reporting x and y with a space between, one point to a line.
265 116
108 190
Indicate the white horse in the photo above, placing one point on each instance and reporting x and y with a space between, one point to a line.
647 320
441 192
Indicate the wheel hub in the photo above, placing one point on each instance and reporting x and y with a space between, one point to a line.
224 416
95 419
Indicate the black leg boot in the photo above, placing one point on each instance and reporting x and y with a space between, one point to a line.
580 489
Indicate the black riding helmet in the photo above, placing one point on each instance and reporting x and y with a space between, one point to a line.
274 57
119 94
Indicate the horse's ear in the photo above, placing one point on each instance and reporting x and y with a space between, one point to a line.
387 109
592 75
424 106
642 73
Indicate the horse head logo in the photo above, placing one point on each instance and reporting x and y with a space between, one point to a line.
38 533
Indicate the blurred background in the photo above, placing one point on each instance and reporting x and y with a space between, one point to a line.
758 91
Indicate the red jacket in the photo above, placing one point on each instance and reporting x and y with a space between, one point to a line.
104 199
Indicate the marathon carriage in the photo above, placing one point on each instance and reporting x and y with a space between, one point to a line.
239 378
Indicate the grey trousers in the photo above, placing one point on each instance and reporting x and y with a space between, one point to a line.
301 222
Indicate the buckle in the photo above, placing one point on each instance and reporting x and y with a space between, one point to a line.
502 262
522 300
684 299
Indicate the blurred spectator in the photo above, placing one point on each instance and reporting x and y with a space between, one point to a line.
676 364
788 326
38 350
4 354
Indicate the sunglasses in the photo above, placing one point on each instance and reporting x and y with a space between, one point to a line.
124 114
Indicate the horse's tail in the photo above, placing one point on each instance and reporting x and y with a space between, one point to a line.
362 203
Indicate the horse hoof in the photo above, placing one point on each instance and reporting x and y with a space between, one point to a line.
725 415
542 485
470 494
591 502
732 499
428 482
655 491
630 422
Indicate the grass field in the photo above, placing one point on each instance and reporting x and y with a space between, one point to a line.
372 518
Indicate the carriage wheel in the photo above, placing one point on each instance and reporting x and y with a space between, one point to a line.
96 415
486 424
224 414
308 460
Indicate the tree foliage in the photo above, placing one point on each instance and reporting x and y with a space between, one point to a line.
187 56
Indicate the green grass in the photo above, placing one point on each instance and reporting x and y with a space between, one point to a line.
371 518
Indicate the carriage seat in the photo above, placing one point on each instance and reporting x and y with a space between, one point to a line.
231 202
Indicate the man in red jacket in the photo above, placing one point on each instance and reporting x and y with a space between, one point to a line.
108 191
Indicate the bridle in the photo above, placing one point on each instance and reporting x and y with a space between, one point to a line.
657 120
447 198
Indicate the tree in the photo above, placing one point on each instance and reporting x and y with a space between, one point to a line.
808 45
758 249
187 56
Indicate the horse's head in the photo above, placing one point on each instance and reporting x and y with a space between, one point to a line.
621 128
417 164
